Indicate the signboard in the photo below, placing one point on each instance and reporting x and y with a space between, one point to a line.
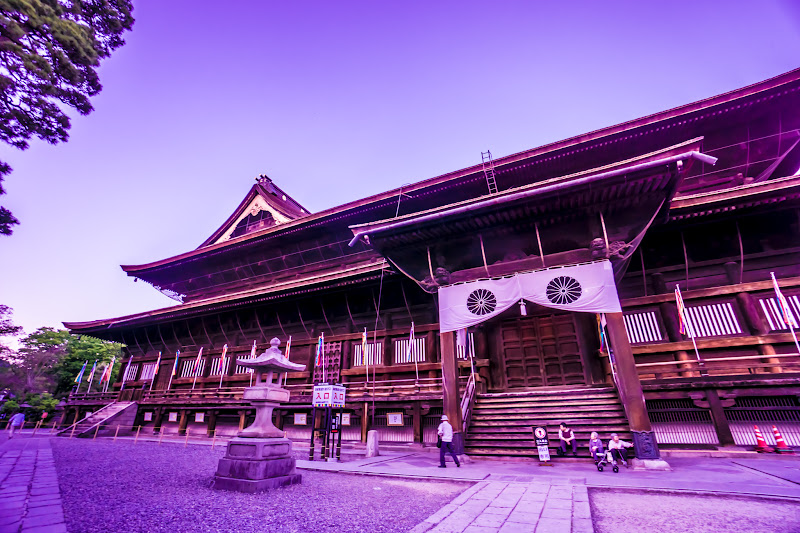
328 396
300 419
173 417
345 419
199 417
148 417
394 419
542 444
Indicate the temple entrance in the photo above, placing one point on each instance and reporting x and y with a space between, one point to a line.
541 351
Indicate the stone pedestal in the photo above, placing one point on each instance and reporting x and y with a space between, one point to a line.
256 464
373 450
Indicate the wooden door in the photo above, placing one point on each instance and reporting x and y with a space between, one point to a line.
541 351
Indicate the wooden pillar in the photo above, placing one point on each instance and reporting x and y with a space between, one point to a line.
364 422
768 349
157 420
184 421
212 422
450 397
630 389
718 418
686 370
278 414
242 419
417 422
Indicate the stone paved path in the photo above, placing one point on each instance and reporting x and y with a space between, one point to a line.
30 500
498 507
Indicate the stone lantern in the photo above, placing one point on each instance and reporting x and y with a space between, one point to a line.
260 457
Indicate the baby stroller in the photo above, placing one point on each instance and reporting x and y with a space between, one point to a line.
607 459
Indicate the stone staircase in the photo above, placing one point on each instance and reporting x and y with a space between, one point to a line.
116 414
502 422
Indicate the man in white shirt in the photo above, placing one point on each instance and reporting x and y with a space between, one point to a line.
617 448
445 431
15 423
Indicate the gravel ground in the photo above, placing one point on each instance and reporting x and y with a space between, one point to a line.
150 488
615 511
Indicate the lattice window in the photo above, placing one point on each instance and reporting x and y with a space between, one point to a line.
642 326
244 369
461 352
148 371
130 373
401 352
713 320
188 369
374 354
774 315
216 364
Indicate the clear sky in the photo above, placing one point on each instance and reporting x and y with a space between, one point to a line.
336 101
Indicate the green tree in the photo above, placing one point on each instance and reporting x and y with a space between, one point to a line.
7 327
49 53
50 359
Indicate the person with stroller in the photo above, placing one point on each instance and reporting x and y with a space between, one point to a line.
596 447
567 436
617 448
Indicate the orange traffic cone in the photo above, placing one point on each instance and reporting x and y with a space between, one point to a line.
780 444
761 444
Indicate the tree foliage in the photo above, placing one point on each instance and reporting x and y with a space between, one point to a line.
7 327
49 53
49 360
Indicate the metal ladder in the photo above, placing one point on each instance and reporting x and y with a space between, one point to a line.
488 170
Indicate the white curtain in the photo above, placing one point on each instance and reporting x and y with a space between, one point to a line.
587 287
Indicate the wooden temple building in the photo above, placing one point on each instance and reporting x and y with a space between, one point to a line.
704 196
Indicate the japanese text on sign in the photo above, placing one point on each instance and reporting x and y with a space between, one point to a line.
328 395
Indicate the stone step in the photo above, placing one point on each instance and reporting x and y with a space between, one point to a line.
544 391
561 406
546 398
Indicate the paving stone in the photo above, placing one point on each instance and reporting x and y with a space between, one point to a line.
489 520
500 511
504 502
549 525
557 504
441 514
11 527
53 510
43 501
523 518
581 510
42 520
558 514
530 507
582 525
55 528
467 494
514 527
480 529
422 527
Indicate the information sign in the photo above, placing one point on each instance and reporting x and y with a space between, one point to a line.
542 444
328 396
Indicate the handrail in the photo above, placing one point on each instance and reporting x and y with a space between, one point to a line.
467 402
84 419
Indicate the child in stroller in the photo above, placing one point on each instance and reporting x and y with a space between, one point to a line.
615 453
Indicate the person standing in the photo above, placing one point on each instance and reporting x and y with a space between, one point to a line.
445 431
566 436
15 423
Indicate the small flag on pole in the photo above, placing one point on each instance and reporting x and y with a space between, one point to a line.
685 326
601 331
106 375
197 367
288 347
155 371
320 349
91 372
80 374
222 364
364 346
175 365
410 350
786 312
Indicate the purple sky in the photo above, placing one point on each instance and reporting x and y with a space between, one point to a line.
336 101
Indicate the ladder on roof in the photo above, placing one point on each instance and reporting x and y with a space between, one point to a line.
488 170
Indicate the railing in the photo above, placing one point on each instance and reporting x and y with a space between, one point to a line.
467 402
223 393
738 365
75 424
103 397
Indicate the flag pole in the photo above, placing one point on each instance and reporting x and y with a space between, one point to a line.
683 315
286 355
158 362
197 366
787 318
174 368
322 354
252 355
412 350
222 365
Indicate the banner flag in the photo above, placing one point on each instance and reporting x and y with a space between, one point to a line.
410 350
786 312
106 375
601 332
196 369
288 347
80 374
158 363
684 325
175 366
587 287
461 340
364 346
91 372
320 349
